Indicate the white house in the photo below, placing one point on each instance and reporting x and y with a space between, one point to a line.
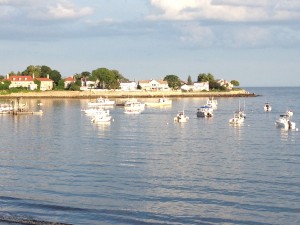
87 84
224 83
200 86
154 85
46 83
128 86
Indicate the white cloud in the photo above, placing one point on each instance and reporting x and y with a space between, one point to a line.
226 10
45 10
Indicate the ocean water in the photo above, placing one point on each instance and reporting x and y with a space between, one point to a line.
146 169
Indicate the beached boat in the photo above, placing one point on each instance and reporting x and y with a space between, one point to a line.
284 122
237 119
181 117
103 102
205 111
267 107
161 102
102 116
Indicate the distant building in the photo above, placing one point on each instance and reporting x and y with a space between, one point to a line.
28 82
224 83
199 86
68 81
21 81
46 83
87 84
128 86
154 85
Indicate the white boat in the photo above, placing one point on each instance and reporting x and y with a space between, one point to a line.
181 117
289 113
104 102
133 106
267 107
284 122
212 102
103 116
237 119
161 102
205 111
6 108
93 111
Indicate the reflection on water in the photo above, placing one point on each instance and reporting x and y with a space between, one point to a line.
146 169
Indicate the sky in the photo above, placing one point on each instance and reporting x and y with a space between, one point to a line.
256 42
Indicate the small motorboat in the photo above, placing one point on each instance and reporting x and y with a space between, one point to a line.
267 107
289 113
205 111
284 122
181 117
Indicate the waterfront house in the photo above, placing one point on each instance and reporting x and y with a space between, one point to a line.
28 82
199 86
224 83
128 86
46 83
68 81
154 85
21 81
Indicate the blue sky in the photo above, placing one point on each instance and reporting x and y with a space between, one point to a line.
256 42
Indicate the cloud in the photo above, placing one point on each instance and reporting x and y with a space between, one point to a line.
42 10
226 10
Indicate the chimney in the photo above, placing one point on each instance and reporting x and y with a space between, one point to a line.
48 76
33 75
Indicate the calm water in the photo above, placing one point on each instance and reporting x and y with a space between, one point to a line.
146 169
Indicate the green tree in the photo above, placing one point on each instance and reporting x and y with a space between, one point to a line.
55 76
108 79
173 81
203 77
45 71
235 83
32 70
4 85
189 80
38 83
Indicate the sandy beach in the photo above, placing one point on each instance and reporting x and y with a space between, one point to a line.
126 94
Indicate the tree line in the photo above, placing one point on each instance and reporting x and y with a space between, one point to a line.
107 79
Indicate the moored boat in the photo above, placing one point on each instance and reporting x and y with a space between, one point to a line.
237 119
181 117
103 116
103 102
161 102
284 122
205 111
267 107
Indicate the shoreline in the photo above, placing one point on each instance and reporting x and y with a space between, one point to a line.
126 94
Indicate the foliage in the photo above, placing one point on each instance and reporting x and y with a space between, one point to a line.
108 79
55 76
203 77
45 71
74 87
189 80
60 85
235 83
38 83
4 85
32 70
173 81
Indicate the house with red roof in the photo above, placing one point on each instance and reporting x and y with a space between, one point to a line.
68 81
46 83
28 82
